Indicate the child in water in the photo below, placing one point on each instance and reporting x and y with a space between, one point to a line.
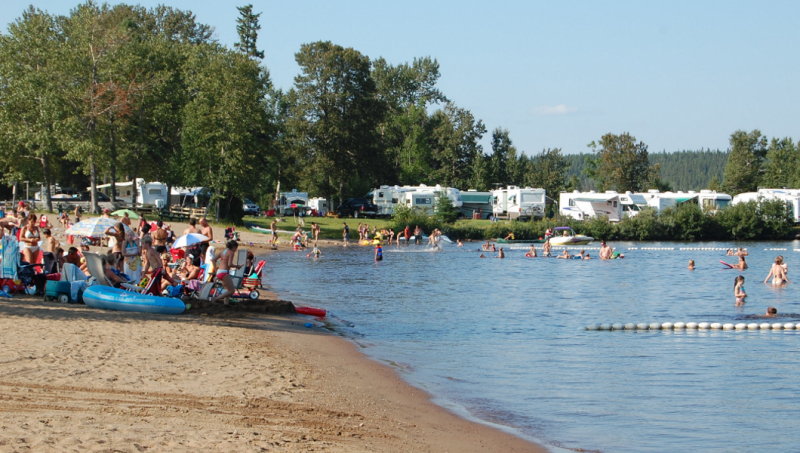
738 289
316 252
378 253
691 265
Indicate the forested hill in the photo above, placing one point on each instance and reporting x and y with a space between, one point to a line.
682 170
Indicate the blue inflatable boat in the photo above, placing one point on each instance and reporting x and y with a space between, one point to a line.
116 299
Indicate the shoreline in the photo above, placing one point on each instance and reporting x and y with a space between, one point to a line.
77 377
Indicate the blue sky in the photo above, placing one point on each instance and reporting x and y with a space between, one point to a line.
676 74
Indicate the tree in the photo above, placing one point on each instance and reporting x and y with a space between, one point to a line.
503 158
335 117
780 166
621 164
744 162
31 105
456 146
247 27
548 170
225 125
714 184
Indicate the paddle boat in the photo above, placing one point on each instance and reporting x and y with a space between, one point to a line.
565 236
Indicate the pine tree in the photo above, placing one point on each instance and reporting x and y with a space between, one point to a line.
780 167
247 26
744 162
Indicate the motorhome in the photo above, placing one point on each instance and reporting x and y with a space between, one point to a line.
291 202
476 205
658 200
632 203
586 205
147 193
518 203
711 200
388 198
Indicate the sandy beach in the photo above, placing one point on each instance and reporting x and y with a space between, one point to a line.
73 378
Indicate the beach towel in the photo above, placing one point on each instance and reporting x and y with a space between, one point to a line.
10 254
78 281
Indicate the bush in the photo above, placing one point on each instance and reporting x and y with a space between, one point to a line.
445 211
406 216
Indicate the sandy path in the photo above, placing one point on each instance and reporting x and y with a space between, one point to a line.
74 378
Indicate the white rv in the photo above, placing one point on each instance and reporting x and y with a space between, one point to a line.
291 202
319 204
154 193
388 198
790 196
586 205
658 200
632 203
711 200
517 203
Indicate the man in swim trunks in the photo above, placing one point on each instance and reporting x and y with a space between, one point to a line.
741 252
605 251
501 254
345 234
152 262
207 231
417 235
546 248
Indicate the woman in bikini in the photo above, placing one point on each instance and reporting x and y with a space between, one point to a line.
778 273
226 259
29 236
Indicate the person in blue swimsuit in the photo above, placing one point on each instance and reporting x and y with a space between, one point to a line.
738 289
378 253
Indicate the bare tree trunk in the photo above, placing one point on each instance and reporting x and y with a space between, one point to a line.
93 180
113 167
46 193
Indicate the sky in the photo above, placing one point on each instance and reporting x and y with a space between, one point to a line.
678 75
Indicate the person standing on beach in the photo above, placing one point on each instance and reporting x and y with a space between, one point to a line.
315 231
226 259
407 234
605 251
77 213
207 231
345 234
126 220
160 237
192 228
273 227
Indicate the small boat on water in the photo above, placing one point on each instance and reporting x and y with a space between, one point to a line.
568 237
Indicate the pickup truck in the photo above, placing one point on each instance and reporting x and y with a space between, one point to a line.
357 207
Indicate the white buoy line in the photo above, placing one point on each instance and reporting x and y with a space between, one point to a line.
778 249
694 249
695 326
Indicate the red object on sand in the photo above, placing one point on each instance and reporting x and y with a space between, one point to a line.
311 311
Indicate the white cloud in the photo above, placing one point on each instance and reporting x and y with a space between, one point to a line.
560 109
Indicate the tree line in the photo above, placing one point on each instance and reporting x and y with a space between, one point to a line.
112 93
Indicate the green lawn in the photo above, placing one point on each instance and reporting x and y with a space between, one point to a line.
330 228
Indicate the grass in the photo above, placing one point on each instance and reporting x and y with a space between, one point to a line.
330 228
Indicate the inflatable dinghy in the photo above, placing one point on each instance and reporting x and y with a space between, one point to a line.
116 299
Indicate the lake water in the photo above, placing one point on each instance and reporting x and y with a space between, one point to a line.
503 340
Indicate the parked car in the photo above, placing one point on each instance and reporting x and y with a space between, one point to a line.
357 207
251 208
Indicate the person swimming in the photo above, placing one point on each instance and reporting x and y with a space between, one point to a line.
501 254
778 272
565 255
531 253
587 257
738 289
742 264
691 265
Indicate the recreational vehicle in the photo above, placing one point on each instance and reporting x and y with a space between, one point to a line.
790 196
631 203
291 202
711 200
153 193
517 203
318 204
658 200
586 205
388 198
476 205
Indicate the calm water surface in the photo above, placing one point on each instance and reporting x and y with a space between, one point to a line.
503 340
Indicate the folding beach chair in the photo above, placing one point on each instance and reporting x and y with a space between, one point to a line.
94 263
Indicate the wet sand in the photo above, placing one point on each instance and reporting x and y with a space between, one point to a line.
81 379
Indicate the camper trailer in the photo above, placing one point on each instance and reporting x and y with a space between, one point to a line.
711 200
476 205
291 202
790 196
147 193
658 200
517 203
388 198
586 205
318 204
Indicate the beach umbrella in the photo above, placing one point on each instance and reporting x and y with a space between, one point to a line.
94 227
121 212
188 240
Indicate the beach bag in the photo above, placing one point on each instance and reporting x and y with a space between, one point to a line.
175 291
